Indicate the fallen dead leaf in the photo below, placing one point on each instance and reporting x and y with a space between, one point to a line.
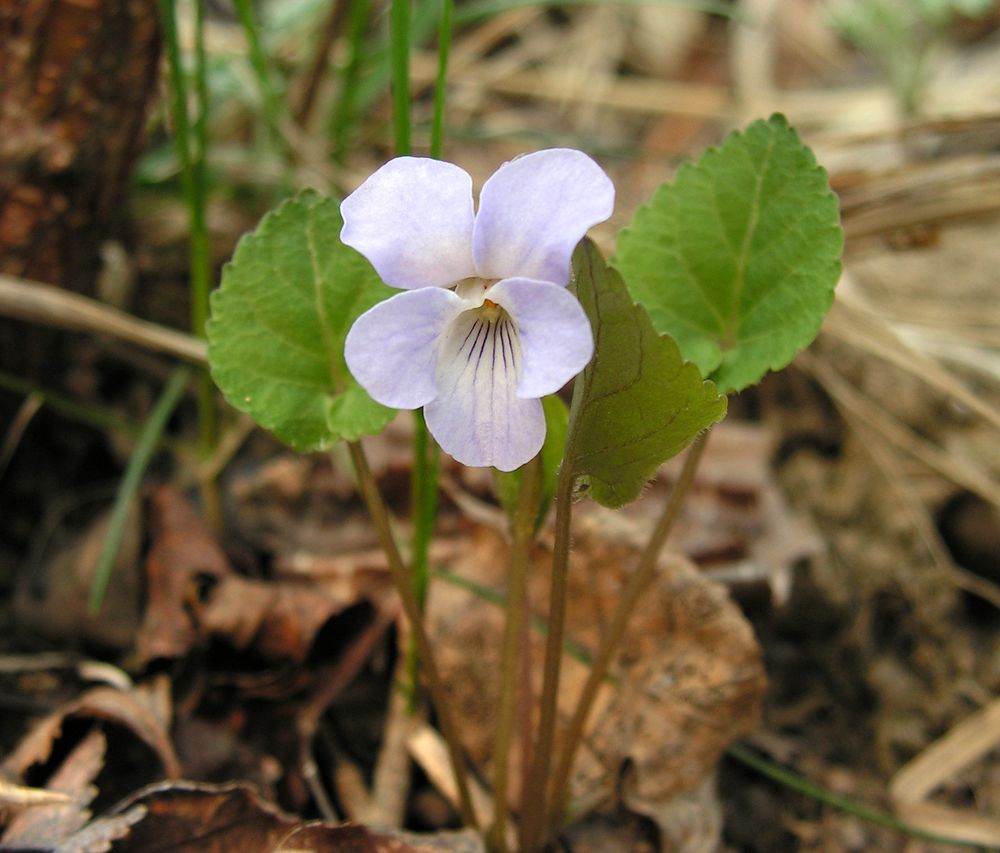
196 818
142 710
183 562
195 595
690 682
99 835
16 798
53 599
47 826
188 817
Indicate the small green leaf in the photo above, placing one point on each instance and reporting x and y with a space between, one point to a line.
508 483
276 335
738 258
638 402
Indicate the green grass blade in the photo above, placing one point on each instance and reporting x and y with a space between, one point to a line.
345 109
191 141
265 81
441 80
132 479
399 29
791 780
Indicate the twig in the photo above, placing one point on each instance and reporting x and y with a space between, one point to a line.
15 432
391 780
332 27
343 673
898 434
34 302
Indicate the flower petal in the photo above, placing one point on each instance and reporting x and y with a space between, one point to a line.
413 220
534 210
478 417
556 340
392 348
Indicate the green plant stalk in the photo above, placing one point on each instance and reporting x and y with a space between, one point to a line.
404 587
342 116
88 414
533 805
399 36
191 143
132 479
522 535
441 80
804 786
262 71
627 601
423 499
426 455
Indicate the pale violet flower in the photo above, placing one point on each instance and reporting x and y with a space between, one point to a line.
486 326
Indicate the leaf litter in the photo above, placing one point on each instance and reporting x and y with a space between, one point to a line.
872 652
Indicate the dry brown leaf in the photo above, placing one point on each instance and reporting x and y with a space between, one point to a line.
60 610
192 818
691 680
98 835
182 561
49 825
195 595
690 683
188 817
280 619
140 710
16 798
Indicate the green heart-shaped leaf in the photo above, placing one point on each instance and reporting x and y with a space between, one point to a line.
738 258
279 319
638 403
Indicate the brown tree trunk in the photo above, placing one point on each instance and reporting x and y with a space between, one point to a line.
76 80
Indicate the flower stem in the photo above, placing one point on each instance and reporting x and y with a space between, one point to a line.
522 534
533 805
399 34
404 587
423 499
636 586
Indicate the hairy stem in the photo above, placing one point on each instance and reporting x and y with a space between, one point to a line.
636 586
522 535
404 586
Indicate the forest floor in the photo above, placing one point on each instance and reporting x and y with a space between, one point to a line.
848 510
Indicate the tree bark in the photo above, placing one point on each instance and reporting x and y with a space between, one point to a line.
76 80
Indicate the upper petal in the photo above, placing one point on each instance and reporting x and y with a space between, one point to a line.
413 220
392 348
477 416
554 333
534 210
